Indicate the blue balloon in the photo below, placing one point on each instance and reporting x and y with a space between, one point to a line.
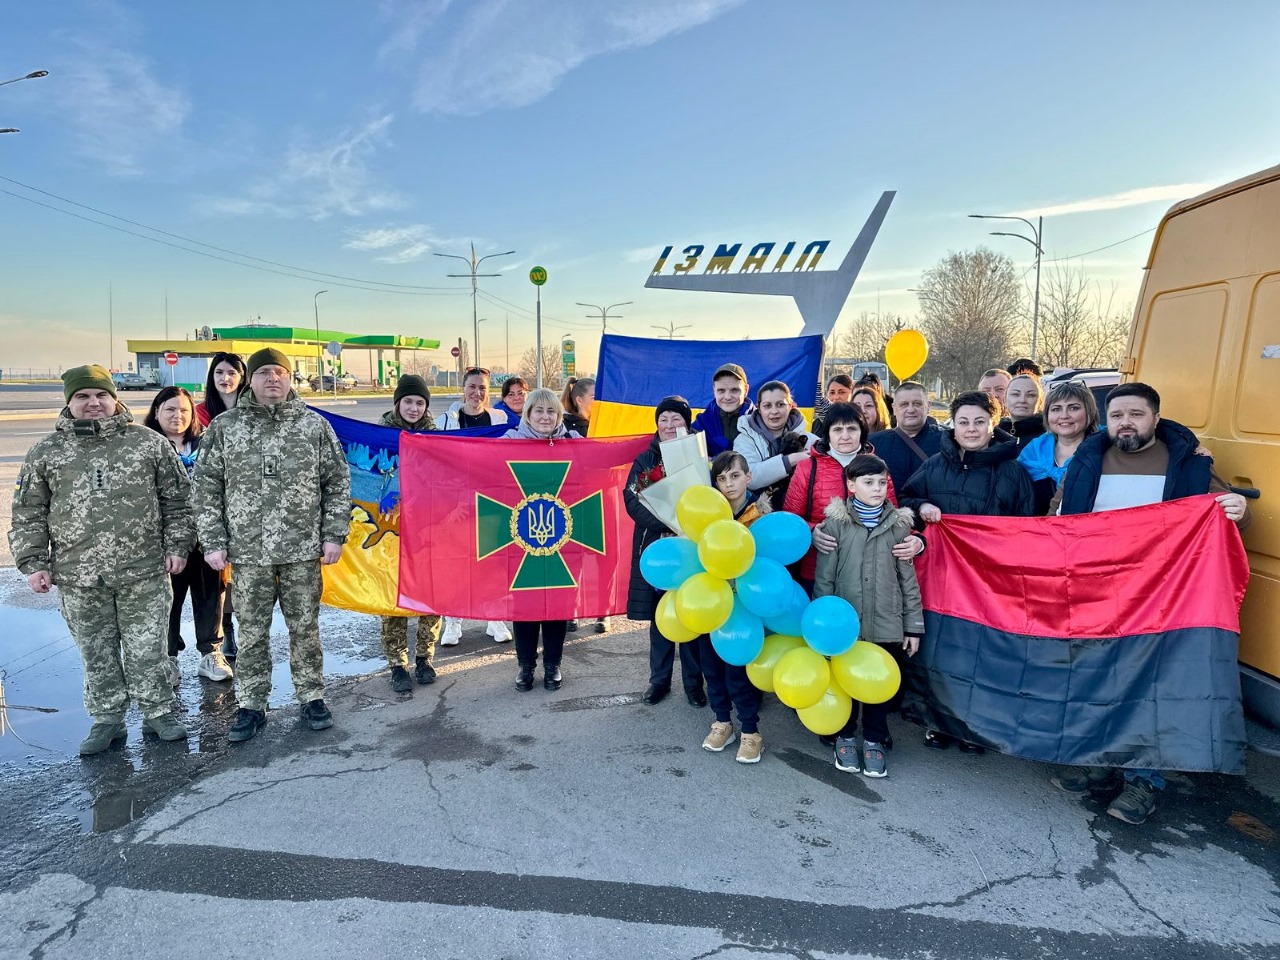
669 562
788 622
830 626
765 589
741 638
781 536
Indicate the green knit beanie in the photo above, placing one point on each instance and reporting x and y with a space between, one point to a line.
265 357
412 385
92 376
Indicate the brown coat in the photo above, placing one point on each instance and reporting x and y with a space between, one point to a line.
863 570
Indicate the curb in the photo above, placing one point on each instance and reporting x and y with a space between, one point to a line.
31 414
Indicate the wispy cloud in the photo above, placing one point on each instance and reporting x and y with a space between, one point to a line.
402 244
318 181
120 112
1116 201
502 53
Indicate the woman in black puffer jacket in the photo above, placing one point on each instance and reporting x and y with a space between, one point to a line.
642 599
977 472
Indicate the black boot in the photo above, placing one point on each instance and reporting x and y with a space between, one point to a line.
524 681
551 678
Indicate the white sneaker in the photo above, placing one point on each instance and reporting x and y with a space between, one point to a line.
172 671
214 666
452 632
498 630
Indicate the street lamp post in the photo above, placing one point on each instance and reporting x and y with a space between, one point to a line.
474 264
315 303
671 328
1038 234
33 75
604 313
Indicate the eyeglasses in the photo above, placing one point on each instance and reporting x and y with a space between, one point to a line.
473 370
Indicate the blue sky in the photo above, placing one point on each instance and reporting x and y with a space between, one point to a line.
356 139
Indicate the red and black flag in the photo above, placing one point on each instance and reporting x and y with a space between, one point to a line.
1107 639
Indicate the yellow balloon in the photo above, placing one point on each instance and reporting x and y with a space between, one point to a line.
726 549
867 672
906 352
760 670
828 715
703 603
698 508
669 624
801 677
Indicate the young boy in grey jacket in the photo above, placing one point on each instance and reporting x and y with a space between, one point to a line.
863 570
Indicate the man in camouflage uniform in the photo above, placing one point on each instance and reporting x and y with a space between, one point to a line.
101 511
273 499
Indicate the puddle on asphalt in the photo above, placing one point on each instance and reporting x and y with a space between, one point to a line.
42 670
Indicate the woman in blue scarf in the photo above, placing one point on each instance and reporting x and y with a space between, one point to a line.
1070 415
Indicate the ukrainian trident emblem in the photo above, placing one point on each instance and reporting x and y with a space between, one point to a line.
540 524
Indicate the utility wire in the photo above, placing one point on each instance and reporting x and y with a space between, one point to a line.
1100 249
213 256
200 243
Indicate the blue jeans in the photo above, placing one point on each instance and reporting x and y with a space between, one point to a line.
1153 777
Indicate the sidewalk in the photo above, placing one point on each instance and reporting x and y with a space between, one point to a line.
470 820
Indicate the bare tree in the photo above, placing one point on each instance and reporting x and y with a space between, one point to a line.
527 366
867 333
970 306
1078 326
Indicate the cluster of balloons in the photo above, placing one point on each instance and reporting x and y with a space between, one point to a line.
731 582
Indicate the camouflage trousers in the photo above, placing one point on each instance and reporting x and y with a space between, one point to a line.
395 638
297 587
121 632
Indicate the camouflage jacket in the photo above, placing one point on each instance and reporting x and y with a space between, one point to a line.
392 418
101 503
271 484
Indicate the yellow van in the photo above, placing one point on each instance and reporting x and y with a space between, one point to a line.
1206 334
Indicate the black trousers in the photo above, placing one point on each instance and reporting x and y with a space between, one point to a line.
662 657
207 590
875 722
728 687
552 631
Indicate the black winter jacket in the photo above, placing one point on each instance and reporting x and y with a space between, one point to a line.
642 598
988 483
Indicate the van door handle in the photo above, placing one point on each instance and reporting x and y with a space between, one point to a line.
1244 486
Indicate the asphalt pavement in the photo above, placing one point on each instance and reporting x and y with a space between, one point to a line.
470 820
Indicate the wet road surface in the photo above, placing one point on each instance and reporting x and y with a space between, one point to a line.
469 820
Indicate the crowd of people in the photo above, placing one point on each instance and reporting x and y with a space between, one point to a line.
251 488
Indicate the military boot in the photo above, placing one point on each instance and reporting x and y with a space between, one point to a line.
103 735
166 727
524 679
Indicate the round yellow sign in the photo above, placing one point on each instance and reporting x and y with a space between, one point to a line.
538 276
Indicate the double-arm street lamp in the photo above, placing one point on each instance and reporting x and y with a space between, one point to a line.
474 264
315 303
33 75
1037 234
603 316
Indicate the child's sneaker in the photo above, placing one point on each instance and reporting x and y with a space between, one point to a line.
873 764
847 755
721 736
750 746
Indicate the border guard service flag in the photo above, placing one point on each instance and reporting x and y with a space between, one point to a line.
366 578
636 372
515 529
1106 639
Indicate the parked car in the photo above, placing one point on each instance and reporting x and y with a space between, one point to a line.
346 381
1099 380
129 381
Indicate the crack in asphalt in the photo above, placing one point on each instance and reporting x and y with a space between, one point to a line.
72 926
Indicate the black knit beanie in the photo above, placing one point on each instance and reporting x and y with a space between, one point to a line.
677 404
412 385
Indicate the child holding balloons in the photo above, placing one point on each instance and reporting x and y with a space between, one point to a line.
727 685
882 589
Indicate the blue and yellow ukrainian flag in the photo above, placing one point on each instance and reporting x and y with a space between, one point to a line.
636 372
